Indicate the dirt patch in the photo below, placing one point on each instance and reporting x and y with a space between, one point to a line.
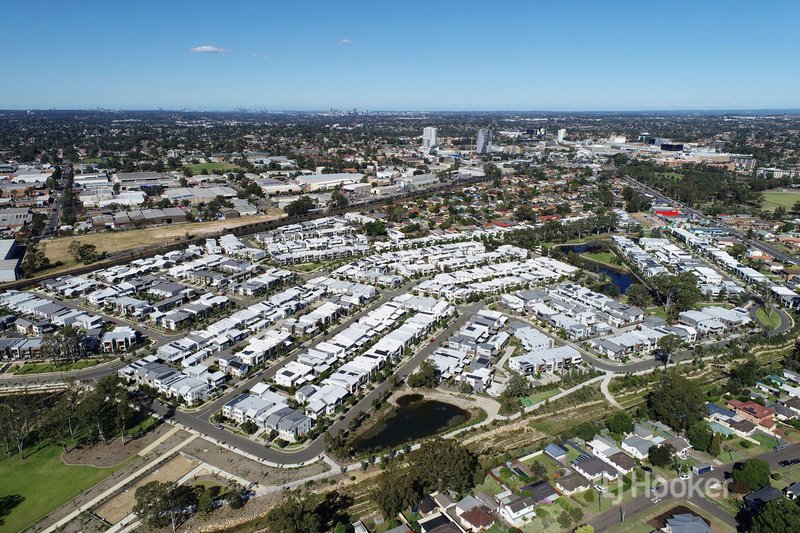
104 455
116 241
122 504
247 468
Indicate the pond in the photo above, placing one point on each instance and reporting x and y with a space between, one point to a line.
413 418
620 279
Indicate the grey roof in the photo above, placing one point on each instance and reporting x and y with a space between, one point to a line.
688 523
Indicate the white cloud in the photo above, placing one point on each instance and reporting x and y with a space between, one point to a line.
208 49
346 41
260 56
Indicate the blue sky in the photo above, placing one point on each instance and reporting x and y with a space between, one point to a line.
405 55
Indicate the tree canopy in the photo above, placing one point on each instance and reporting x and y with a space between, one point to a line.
777 516
676 401
751 475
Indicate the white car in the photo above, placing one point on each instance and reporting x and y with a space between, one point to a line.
601 489
685 476
655 500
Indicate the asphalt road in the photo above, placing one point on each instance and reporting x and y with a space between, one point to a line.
682 490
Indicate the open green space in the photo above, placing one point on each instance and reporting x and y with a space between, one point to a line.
41 368
44 483
211 168
786 199
657 311
771 320
527 401
604 258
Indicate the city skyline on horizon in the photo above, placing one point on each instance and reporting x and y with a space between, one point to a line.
569 57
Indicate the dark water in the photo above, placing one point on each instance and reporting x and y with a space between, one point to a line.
621 280
412 419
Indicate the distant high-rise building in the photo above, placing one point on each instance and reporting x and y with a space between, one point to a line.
429 138
562 133
484 143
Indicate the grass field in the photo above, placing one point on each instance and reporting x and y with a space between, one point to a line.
40 368
117 241
605 258
45 483
773 199
771 320
197 168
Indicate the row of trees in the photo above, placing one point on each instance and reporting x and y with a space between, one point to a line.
166 504
553 231
69 417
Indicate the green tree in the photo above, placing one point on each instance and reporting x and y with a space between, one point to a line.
525 213
678 293
442 464
660 455
375 228
584 529
620 423
491 171
425 376
396 490
638 295
714 446
750 476
778 516
301 206
700 436
160 505
676 401
738 250
744 375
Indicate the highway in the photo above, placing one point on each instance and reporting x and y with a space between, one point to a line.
682 490
774 252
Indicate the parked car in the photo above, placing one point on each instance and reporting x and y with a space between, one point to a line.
600 488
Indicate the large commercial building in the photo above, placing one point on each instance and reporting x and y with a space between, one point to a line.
9 262
429 139
484 142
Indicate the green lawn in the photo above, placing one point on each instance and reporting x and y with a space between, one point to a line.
45 483
657 311
197 168
771 320
527 401
773 199
41 368
605 258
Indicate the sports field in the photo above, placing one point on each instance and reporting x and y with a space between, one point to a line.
786 199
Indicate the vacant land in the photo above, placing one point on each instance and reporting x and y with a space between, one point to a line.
118 241
44 483
782 198
211 168
41 368
122 504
